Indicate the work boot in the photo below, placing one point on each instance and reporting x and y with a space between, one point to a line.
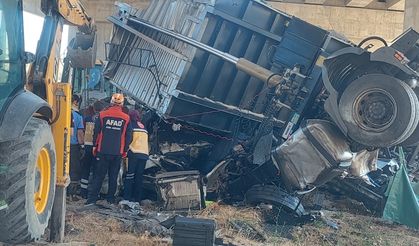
124 202
103 203
88 206
3 204
111 200
83 193
106 204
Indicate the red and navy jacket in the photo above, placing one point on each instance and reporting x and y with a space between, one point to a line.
113 132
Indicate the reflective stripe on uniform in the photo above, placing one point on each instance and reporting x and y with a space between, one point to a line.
130 176
84 183
88 133
139 144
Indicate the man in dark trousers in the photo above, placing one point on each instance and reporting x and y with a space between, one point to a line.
137 158
88 159
76 145
112 135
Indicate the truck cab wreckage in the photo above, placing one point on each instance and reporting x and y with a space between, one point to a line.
265 105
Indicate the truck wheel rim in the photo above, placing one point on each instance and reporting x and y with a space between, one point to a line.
42 180
374 110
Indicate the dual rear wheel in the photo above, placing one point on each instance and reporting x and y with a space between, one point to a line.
380 111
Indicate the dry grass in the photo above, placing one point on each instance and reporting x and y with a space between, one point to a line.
223 214
354 229
95 229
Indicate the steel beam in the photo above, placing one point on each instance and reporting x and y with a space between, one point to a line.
358 3
33 7
320 2
395 5
411 14
390 3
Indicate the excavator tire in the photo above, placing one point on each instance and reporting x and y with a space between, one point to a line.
27 183
379 110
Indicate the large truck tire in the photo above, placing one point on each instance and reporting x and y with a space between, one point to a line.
379 110
413 140
27 183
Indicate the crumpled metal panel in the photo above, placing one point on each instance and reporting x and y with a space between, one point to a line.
364 162
302 164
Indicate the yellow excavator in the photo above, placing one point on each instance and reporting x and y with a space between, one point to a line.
35 116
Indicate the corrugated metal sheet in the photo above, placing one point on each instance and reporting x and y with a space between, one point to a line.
171 56
182 16
104 32
139 81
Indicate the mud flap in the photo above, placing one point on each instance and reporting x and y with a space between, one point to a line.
262 150
271 194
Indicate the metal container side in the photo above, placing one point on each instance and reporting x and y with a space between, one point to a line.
202 89
170 55
227 27
248 29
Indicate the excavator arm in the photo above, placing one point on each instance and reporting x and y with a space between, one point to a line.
45 81
73 12
57 13
44 78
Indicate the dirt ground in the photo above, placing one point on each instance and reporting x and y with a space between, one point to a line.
91 229
355 227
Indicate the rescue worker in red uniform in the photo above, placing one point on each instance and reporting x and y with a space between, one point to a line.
137 158
112 134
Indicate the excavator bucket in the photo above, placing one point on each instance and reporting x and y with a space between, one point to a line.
82 50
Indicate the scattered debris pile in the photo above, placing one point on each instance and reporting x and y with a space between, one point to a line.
237 225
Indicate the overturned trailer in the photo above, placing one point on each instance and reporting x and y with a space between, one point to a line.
207 90
202 89
242 73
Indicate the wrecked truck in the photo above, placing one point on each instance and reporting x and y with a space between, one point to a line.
227 85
